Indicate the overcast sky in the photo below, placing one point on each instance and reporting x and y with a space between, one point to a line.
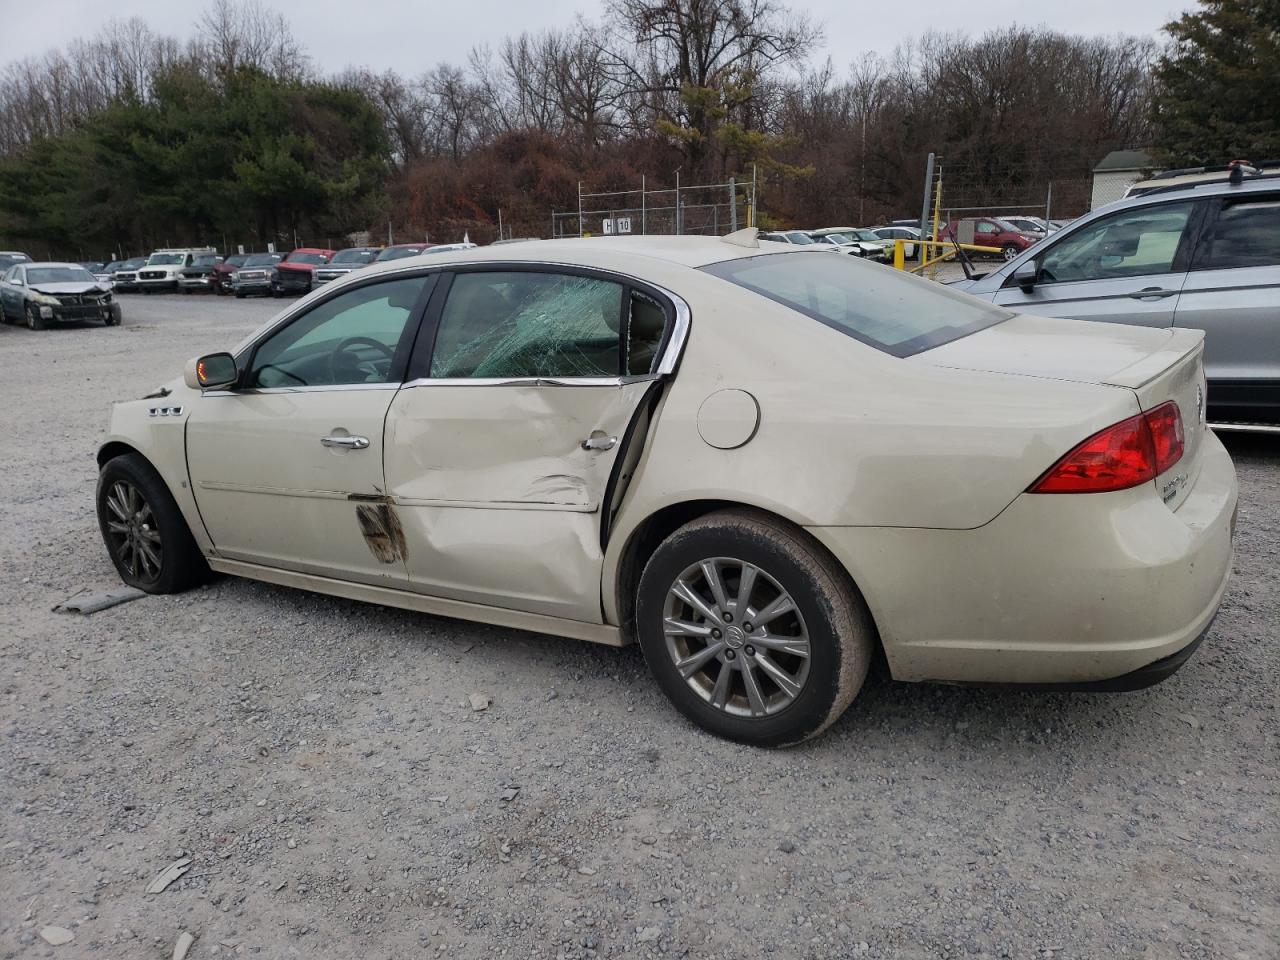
413 35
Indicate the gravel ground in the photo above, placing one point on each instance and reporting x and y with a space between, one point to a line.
319 763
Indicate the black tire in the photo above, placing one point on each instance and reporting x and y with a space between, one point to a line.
178 564
34 320
239 294
830 613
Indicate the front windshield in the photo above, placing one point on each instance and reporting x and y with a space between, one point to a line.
865 235
297 257
839 239
39 275
262 260
398 253
798 238
133 264
164 259
113 266
353 256
887 309
235 261
1006 226
205 261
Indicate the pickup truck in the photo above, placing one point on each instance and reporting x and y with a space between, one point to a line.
296 272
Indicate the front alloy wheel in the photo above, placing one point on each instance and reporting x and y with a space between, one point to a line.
1010 252
144 530
131 532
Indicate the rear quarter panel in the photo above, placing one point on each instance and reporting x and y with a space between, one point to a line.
848 435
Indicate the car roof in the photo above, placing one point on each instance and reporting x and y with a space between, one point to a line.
623 255
50 263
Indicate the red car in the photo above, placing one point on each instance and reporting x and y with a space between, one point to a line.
223 270
294 274
989 232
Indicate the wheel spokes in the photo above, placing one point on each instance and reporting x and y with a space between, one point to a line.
785 682
714 635
692 664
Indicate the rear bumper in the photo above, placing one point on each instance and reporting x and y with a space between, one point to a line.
1059 590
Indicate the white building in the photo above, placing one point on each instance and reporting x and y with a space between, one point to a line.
1116 173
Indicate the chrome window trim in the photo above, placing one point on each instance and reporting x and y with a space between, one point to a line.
666 365
529 381
314 388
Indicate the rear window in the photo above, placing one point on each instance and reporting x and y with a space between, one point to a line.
887 309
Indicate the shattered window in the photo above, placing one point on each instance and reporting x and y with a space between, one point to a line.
521 324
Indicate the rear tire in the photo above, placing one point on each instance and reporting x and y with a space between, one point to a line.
807 658
145 533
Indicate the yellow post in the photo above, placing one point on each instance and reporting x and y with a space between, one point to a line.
899 254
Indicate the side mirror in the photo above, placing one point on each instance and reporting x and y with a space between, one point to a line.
1026 275
213 371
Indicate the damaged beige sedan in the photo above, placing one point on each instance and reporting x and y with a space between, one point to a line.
768 468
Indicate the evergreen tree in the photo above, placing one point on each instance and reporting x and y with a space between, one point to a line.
1216 96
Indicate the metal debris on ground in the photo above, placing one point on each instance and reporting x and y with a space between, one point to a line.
93 602
169 874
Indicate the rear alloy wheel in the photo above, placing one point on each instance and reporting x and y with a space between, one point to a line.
34 320
752 630
144 530
1010 251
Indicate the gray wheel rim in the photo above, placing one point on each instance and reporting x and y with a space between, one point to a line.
131 529
1010 253
737 637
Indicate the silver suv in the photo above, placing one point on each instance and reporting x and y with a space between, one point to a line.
1203 255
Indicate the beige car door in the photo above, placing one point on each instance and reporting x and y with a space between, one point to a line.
501 457
287 469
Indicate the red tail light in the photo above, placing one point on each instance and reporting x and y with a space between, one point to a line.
1130 453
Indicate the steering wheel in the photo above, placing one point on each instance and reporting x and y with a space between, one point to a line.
335 375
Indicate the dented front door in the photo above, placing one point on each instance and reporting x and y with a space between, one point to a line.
500 488
293 479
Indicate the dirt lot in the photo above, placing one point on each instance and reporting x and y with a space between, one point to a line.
318 762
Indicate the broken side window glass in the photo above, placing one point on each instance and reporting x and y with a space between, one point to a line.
517 324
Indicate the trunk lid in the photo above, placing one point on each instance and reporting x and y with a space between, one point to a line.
1156 364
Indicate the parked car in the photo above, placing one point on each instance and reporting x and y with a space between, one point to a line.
449 247
163 267
990 232
107 272
296 272
797 238
125 277
1030 225
1204 256
255 275
201 275
344 261
769 468
892 233
93 266
9 257
224 269
854 240
42 294
398 251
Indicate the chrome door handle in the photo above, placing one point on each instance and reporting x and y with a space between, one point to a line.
1151 293
599 443
348 443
